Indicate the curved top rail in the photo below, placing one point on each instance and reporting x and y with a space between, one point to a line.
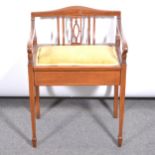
76 11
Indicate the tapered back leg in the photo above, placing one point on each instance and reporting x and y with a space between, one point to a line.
115 112
37 102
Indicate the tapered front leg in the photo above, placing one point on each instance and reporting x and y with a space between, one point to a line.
115 112
32 105
121 106
37 102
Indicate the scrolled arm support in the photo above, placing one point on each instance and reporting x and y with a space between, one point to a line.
125 51
30 46
122 42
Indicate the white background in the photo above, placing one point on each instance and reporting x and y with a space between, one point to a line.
139 29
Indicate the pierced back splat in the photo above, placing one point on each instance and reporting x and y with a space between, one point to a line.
76 30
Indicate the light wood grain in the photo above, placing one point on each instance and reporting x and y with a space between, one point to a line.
77 75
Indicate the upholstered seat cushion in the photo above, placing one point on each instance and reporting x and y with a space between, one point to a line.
77 55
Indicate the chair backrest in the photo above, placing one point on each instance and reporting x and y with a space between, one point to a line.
76 25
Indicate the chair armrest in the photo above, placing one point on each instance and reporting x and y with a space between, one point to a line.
31 41
30 46
123 44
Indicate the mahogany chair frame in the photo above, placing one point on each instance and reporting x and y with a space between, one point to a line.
84 75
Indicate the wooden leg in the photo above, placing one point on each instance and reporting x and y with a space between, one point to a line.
37 102
32 105
121 106
115 113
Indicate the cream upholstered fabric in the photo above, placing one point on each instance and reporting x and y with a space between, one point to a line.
77 55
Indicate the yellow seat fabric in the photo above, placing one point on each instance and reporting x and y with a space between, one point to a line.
77 55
